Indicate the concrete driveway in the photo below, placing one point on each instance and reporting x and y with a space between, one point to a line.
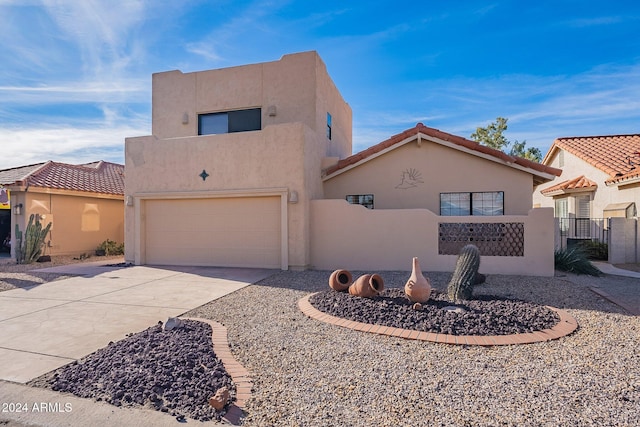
49 325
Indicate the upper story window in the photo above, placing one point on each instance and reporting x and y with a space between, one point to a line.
230 121
329 126
488 203
365 200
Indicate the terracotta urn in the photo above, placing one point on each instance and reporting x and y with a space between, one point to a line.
367 286
340 280
418 287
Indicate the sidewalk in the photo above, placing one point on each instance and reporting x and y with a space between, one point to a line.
621 287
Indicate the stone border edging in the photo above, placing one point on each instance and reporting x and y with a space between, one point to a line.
565 326
238 373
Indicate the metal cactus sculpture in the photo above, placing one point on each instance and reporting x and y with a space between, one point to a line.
465 274
29 249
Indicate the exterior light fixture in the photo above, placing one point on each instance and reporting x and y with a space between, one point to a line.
185 119
17 209
129 200
293 197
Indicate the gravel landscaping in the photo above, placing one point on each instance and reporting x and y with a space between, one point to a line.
308 373
173 371
486 315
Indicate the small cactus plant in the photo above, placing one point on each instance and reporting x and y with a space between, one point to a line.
30 248
465 274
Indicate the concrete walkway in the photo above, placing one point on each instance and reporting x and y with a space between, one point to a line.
607 268
49 325
619 286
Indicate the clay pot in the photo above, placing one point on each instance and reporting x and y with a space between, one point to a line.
367 286
340 280
418 287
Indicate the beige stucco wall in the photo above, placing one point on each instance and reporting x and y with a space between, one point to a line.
442 169
79 222
284 157
604 195
297 85
353 237
624 241
237 163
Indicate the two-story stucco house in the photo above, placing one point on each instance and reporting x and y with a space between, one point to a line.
252 166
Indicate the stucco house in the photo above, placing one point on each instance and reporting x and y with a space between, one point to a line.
252 166
597 196
600 178
83 202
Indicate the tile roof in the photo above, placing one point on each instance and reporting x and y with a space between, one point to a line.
9 176
98 177
438 134
580 183
616 155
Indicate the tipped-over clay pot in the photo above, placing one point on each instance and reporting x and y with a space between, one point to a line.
367 286
418 287
340 280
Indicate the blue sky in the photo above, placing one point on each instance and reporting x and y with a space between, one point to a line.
75 76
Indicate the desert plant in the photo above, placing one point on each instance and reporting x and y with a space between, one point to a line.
593 249
574 260
464 276
29 249
109 247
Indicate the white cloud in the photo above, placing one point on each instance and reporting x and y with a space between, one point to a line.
65 144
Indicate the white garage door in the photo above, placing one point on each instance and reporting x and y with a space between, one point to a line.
230 232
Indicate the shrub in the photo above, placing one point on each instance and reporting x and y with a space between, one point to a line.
109 247
574 260
594 249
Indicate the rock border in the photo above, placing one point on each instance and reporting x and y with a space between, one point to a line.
236 371
564 327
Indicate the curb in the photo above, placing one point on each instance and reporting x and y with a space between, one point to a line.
238 373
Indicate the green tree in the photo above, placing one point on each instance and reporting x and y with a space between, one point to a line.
492 136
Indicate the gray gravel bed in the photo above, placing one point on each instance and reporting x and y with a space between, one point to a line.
484 315
309 373
174 371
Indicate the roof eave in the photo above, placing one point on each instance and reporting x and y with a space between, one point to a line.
614 182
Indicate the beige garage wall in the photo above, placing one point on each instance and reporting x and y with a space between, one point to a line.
79 224
353 237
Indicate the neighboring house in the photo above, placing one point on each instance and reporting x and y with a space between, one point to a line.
84 203
600 180
251 166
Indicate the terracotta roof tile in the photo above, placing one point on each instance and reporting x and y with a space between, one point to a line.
99 177
579 183
427 131
11 175
616 155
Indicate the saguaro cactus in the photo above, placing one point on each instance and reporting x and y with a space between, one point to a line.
31 246
464 276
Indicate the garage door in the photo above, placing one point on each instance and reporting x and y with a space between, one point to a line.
231 232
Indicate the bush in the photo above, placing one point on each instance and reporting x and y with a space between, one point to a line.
574 260
594 249
109 247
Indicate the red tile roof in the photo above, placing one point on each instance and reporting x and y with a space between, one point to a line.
9 176
435 133
579 183
616 155
98 177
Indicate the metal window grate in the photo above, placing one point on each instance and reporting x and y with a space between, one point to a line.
492 239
